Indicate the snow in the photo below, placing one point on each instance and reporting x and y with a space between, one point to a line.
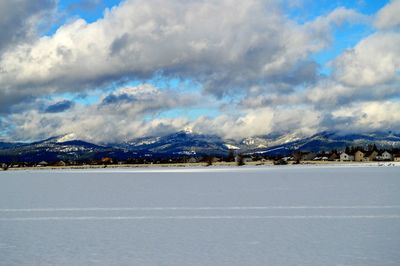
67 137
146 141
188 130
231 147
281 215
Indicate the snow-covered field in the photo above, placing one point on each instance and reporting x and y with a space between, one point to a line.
303 215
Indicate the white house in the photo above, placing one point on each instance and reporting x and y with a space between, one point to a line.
385 156
344 157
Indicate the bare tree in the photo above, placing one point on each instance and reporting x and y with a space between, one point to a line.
240 160
4 167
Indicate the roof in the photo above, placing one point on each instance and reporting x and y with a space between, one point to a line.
350 153
369 153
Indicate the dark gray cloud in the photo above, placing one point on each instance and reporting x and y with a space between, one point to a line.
19 19
59 107
112 99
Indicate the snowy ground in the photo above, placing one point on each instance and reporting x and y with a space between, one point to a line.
290 215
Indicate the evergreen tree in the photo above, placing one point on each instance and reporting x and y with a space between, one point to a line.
347 150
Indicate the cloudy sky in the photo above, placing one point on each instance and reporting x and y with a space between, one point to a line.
110 70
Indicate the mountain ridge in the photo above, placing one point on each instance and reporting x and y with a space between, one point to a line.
187 143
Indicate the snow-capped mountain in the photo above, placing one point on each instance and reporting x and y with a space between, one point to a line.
184 142
189 143
262 142
329 140
53 149
66 137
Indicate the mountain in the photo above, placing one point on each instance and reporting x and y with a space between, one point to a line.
52 149
180 143
7 145
329 140
187 143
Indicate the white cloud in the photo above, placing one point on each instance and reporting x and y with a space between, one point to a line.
388 17
123 115
118 116
224 45
261 121
249 49
374 60
370 116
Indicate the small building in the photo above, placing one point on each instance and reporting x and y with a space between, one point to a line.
42 164
359 156
60 163
280 162
344 157
297 155
308 156
384 156
106 160
396 157
192 160
244 158
333 156
370 156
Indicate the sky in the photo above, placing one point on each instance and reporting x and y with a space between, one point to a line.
110 70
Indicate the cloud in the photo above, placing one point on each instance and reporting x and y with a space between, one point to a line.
330 94
388 17
59 107
144 99
225 46
20 19
249 58
370 116
119 115
373 61
93 123
261 121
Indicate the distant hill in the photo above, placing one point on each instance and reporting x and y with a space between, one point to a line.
189 144
329 140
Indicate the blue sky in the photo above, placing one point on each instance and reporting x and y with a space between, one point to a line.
273 67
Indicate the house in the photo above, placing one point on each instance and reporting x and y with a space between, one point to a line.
320 158
344 157
370 156
384 156
280 162
106 160
396 157
297 155
243 158
308 156
60 163
42 164
192 160
359 156
333 156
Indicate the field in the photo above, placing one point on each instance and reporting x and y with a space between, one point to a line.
289 215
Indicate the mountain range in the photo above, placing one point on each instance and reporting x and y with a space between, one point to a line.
188 144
